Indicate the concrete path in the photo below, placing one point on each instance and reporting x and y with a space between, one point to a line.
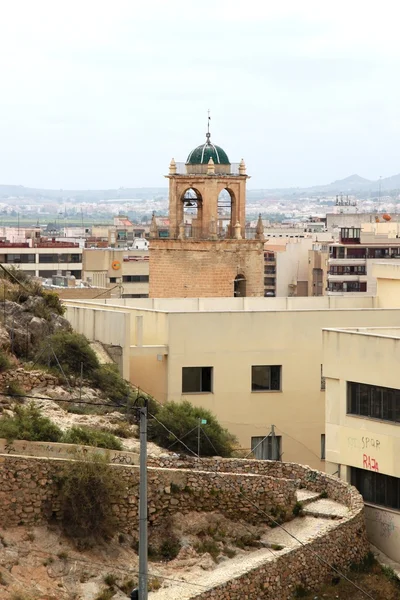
303 528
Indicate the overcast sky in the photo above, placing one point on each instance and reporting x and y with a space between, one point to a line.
102 93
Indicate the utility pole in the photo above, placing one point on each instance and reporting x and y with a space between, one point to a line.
198 437
275 452
143 551
80 385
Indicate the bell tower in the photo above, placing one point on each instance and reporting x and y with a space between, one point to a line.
206 253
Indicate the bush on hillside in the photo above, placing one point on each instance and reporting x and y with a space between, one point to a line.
53 302
87 491
182 420
71 350
108 379
29 424
91 437
4 362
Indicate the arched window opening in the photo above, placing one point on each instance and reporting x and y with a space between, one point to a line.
192 206
239 286
224 214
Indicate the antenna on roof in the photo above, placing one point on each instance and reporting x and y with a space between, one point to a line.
208 127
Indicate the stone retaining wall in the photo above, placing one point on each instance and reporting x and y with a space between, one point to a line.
29 493
27 380
277 579
304 476
69 451
303 566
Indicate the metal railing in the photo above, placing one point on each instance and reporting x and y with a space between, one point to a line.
182 170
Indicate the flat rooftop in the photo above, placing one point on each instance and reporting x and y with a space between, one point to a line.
387 332
190 305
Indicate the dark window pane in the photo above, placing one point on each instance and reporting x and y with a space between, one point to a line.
373 401
265 378
196 379
364 401
263 447
377 488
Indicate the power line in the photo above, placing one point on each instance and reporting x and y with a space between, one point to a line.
298 441
126 569
242 493
321 559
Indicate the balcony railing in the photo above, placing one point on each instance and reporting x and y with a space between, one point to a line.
181 169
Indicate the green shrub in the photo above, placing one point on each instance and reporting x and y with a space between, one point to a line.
4 362
87 491
53 302
108 379
209 546
14 389
300 591
181 418
297 509
170 547
365 565
71 350
110 579
86 436
29 424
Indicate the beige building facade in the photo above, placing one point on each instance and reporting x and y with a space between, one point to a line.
361 367
124 271
254 362
361 370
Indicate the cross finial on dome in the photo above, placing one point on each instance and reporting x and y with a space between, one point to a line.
208 134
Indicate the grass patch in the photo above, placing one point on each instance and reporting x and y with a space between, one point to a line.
29 424
208 546
106 594
91 437
14 389
110 579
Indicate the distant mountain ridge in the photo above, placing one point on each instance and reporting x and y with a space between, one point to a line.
352 184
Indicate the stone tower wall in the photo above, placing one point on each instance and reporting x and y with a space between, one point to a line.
206 268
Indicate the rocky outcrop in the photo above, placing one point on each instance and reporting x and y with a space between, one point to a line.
27 325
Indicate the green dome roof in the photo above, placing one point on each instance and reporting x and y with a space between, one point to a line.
202 154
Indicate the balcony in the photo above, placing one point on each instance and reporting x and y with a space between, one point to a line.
345 277
355 262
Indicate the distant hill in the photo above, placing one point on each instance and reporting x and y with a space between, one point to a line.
353 184
352 180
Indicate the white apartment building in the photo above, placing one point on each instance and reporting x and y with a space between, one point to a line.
351 259
43 258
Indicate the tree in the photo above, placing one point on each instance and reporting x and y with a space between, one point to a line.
182 419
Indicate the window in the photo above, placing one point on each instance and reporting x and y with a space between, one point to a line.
323 382
377 488
196 380
20 258
135 295
373 401
267 448
135 278
113 280
322 446
265 378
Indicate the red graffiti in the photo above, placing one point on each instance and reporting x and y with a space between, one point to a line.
370 463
